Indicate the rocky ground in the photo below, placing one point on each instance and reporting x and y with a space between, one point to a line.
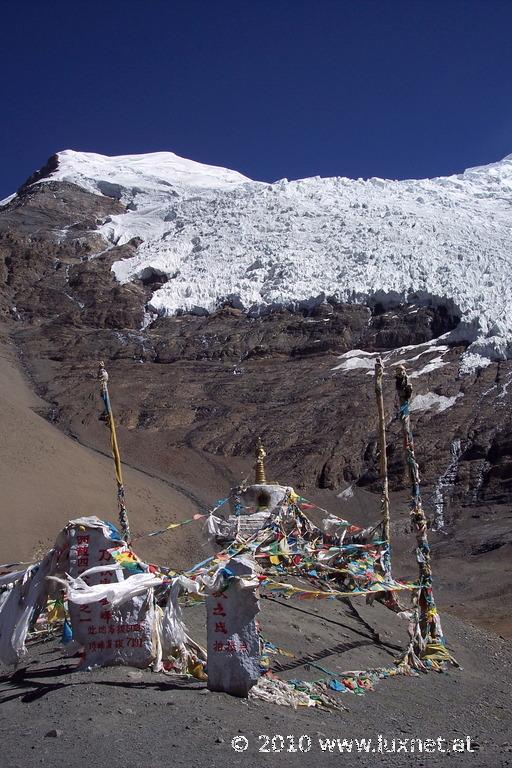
53 715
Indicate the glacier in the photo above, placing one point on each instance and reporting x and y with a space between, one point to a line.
220 238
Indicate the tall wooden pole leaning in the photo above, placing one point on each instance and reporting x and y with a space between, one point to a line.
427 645
109 418
384 504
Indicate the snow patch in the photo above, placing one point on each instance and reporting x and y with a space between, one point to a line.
356 358
7 200
360 359
147 319
471 362
484 351
431 401
506 385
432 365
441 349
347 494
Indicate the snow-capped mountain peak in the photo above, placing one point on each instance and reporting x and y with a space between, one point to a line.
218 236
147 172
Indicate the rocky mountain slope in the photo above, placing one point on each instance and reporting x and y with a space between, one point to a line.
145 264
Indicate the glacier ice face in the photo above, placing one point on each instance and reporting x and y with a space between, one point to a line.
221 237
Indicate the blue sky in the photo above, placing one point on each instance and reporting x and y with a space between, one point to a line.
272 88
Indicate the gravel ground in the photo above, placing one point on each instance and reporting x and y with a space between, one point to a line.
51 714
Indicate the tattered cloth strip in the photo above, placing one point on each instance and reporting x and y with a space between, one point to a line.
179 653
294 694
20 604
12 576
115 593
424 654
6 566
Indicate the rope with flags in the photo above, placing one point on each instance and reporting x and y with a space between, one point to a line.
386 554
427 640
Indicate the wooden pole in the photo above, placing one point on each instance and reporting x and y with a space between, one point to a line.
384 504
109 418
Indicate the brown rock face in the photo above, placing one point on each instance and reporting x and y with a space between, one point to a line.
203 388
47 238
